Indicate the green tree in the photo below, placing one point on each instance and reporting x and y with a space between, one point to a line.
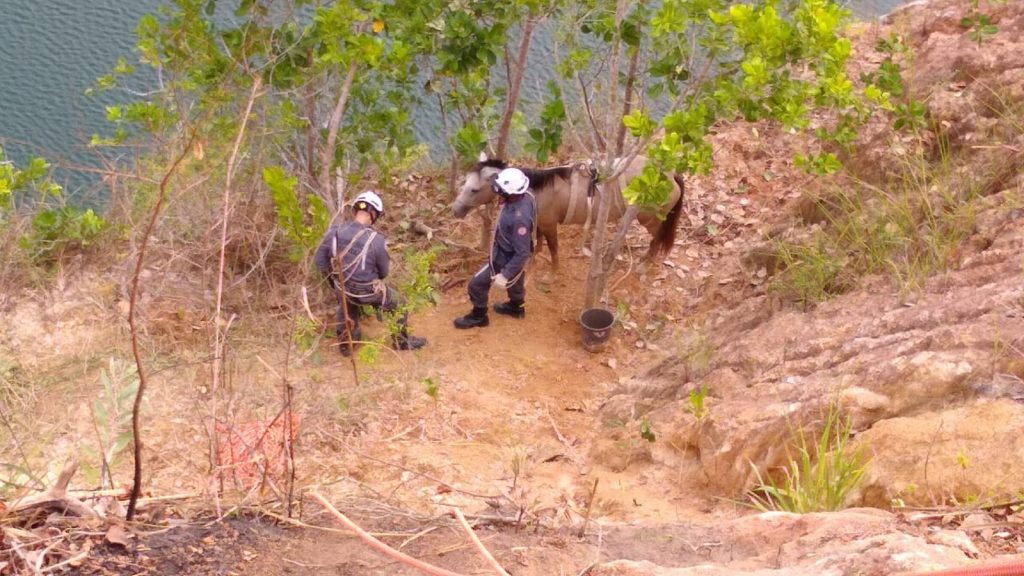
653 78
30 195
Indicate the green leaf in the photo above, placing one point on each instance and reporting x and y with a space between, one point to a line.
639 124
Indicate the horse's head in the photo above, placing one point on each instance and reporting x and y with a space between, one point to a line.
476 188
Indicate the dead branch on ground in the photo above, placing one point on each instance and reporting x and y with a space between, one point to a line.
380 546
56 498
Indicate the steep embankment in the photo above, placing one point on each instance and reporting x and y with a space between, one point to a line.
927 365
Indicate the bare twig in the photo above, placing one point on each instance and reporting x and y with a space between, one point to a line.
70 561
380 546
569 448
416 536
479 545
515 81
219 340
590 504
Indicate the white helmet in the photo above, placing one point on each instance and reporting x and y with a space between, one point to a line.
369 199
511 181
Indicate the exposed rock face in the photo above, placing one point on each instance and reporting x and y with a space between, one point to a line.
879 360
858 541
968 84
938 378
975 448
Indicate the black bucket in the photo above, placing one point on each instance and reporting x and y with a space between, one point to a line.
597 327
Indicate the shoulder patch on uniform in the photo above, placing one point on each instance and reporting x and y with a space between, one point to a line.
521 231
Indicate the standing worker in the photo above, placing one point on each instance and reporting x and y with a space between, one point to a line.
510 250
355 259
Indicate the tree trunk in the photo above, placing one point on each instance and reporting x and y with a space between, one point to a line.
620 237
133 329
312 133
515 83
627 101
597 274
327 153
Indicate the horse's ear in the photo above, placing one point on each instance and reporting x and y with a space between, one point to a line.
483 156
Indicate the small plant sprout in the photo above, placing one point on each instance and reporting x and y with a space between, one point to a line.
979 24
431 388
519 459
112 415
696 405
963 461
697 351
343 403
647 429
369 354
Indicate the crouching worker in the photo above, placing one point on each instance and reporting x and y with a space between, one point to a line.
354 257
510 250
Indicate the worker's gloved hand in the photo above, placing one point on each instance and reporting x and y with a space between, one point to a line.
501 282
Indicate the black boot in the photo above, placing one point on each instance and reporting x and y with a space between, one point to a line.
513 308
475 319
406 341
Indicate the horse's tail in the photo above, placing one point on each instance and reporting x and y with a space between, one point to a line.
665 238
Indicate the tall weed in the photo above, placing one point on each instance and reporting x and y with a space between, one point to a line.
908 230
822 474
112 417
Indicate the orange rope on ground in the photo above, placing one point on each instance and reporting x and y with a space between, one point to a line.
1011 568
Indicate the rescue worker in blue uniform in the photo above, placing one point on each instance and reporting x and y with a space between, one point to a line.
354 257
510 250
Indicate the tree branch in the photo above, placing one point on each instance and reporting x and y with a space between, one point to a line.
515 83
380 546
333 125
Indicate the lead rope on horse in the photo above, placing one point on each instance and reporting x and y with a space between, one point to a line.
494 241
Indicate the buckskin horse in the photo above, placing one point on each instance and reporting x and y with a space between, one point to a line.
565 195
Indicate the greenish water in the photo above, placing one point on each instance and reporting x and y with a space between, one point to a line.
52 50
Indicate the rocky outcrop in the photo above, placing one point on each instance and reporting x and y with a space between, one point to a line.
969 453
969 84
859 541
882 362
933 375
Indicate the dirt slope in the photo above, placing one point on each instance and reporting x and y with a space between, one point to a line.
520 422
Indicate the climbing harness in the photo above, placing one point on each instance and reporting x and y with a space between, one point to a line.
345 271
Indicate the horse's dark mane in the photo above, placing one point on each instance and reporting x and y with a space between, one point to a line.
539 178
490 163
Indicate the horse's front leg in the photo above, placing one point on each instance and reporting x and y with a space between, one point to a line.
551 235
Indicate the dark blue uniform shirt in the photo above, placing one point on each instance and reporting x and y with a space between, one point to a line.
364 253
513 241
